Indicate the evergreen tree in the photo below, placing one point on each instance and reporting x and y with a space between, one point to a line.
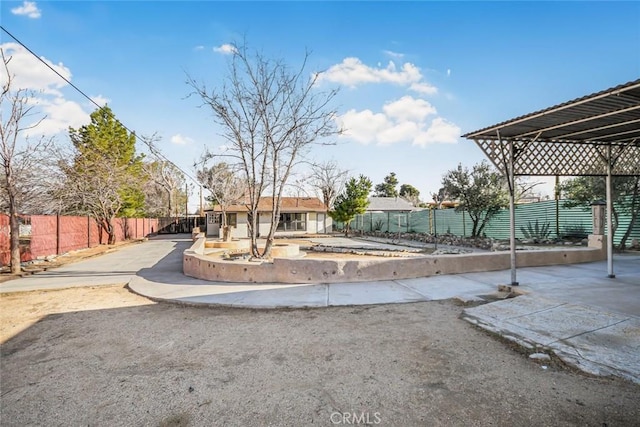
388 187
104 177
351 202
410 193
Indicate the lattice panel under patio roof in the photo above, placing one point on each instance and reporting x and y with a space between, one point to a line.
573 138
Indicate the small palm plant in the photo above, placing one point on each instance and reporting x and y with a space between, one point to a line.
377 226
536 231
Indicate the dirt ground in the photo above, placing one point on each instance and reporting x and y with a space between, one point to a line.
103 356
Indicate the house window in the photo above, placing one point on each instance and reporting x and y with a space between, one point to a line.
232 219
292 222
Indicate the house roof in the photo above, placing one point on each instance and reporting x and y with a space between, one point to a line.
389 204
288 204
573 138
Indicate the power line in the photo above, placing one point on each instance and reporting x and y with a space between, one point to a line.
152 149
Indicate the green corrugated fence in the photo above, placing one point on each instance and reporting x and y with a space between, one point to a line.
572 222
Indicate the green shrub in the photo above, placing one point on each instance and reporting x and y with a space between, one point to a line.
575 231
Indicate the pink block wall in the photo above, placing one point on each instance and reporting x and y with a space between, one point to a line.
5 256
51 235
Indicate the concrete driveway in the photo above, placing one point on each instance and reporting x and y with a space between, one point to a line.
119 266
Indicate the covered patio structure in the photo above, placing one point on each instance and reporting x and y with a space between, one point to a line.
596 135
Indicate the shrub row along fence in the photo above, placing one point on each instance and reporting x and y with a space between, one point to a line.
564 222
45 235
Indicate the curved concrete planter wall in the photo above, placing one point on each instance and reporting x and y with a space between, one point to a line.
307 270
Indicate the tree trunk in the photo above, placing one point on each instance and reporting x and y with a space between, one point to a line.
474 230
224 226
253 233
272 230
14 227
226 233
615 223
634 214
111 232
485 221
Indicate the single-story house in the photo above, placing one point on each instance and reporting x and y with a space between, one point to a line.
298 215
389 204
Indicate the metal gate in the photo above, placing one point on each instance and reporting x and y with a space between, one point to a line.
169 225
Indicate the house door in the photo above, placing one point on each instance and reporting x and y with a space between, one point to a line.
320 226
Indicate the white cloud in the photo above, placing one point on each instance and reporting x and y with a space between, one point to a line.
393 54
100 100
59 114
402 120
181 140
199 47
29 9
448 72
424 88
408 108
353 72
50 106
362 126
440 131
225 49
398 132
30 73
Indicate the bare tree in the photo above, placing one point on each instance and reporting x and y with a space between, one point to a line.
21 182
226 189
525 187
164 186
271 116
93 188
329 180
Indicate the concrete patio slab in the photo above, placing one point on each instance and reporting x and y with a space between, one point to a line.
587 337
614 350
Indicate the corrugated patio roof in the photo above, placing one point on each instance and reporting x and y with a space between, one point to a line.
571 138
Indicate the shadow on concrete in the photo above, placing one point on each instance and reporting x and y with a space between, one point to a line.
168 269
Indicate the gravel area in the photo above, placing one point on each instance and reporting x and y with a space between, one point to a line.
103 356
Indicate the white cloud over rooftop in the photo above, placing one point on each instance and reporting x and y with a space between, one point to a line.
403 120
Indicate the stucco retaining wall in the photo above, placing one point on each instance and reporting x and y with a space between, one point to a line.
307 270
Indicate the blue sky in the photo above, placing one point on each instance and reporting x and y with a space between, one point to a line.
413 76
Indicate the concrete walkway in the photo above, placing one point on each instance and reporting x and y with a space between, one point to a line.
590 321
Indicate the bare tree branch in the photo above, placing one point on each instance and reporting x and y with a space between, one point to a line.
271 116
23 181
